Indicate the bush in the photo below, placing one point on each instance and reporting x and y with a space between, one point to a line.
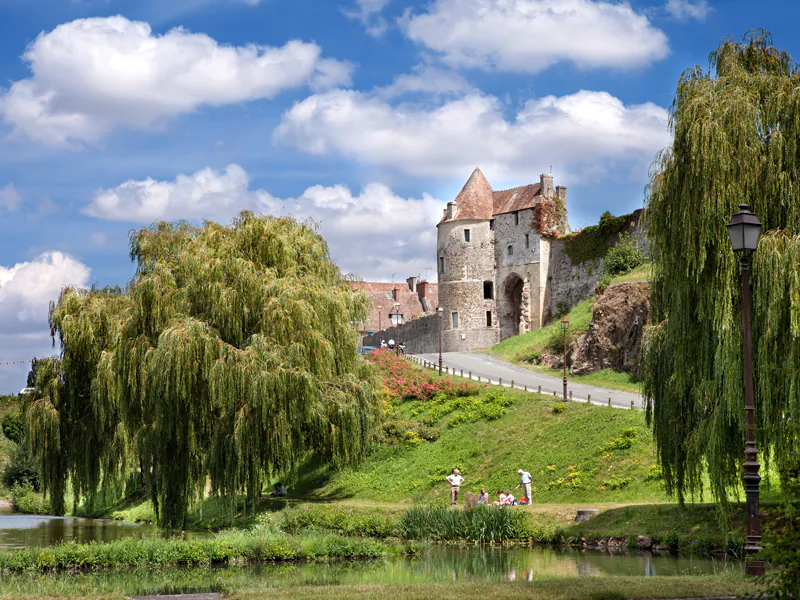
602 284
559 408
25 500
623 257
13 427
23 468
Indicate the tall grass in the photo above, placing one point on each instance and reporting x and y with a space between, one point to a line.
480 524
234 546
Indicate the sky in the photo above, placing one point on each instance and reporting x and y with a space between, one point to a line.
365 115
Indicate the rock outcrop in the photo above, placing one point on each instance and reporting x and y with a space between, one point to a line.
615 334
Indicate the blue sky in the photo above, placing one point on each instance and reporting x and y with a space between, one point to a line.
367 115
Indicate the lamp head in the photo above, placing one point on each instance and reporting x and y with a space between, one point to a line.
565 323
440 310
744 230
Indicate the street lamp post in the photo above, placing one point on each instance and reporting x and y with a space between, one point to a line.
440 311
380 329
744 230
397 328
565 326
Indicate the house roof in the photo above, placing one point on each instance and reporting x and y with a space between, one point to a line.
412 304
478 201
518 198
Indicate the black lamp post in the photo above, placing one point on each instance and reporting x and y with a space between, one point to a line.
380 329
440 312
744 230
565 326
397 328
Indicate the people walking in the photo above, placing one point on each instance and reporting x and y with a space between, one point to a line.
455 485
525 482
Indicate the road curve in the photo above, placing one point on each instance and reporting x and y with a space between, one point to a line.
488 367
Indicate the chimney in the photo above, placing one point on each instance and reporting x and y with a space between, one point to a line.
422 292
561 191
394 294
451 210
412 284
546 184
422 289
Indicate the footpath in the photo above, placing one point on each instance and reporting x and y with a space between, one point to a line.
481 367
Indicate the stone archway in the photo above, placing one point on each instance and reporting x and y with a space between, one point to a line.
511 307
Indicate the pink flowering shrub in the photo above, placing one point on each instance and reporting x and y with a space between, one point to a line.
405 381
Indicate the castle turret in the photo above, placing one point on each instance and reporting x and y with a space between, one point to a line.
466 266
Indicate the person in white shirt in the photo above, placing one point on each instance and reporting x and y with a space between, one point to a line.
455 484
509 500
525 482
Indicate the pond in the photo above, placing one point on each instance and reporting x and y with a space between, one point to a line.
444 563
28 531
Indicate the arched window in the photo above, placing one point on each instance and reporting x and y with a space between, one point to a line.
510 250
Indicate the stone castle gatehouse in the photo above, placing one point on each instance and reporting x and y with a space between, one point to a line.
493 257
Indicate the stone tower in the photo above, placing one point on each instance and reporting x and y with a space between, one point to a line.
466 265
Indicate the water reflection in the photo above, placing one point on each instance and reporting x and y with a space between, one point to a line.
26 531
442 564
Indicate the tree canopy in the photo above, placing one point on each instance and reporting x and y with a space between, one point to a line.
736 140
229 356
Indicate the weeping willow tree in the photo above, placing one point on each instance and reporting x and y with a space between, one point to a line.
736 140
229 356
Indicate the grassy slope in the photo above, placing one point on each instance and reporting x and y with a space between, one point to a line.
563 453
519 348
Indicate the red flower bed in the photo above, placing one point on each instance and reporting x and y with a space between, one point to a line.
405 381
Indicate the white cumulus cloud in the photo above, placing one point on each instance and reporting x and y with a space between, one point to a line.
583 135
368 12
528 36
91 75
373 232
26 290
687 9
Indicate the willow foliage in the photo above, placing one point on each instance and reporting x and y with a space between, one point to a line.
736 140
230 354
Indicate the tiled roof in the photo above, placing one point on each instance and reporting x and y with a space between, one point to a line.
411 304
477 199
518 198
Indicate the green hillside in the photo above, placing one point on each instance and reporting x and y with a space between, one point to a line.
573 451
524 349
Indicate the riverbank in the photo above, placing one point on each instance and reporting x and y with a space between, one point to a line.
261 544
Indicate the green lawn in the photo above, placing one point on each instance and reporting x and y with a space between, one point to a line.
579 454
523 349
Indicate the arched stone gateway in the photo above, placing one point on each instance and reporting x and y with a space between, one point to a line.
511 307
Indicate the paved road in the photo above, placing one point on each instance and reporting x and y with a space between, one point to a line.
494 369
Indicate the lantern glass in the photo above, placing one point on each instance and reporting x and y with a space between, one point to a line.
744 230
565 323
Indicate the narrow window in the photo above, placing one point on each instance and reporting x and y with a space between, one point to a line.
466 235
488 290
510 250
491 225
516 218
397 319
441 264
527 241
455 320
394 294
488 318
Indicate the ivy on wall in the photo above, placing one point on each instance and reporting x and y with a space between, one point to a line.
592 243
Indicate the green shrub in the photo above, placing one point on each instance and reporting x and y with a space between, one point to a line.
623 257
591 243
534 357
602 284
559 408
25 500
339 519
616 483
621 443
14 427
23 468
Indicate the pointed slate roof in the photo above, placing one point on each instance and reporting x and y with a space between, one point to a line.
475 199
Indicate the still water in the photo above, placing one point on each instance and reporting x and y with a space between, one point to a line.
29 531
443 563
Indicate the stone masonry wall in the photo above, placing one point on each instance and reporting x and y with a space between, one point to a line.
420 335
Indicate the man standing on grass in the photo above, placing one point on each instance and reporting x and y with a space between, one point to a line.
525 482
455 484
